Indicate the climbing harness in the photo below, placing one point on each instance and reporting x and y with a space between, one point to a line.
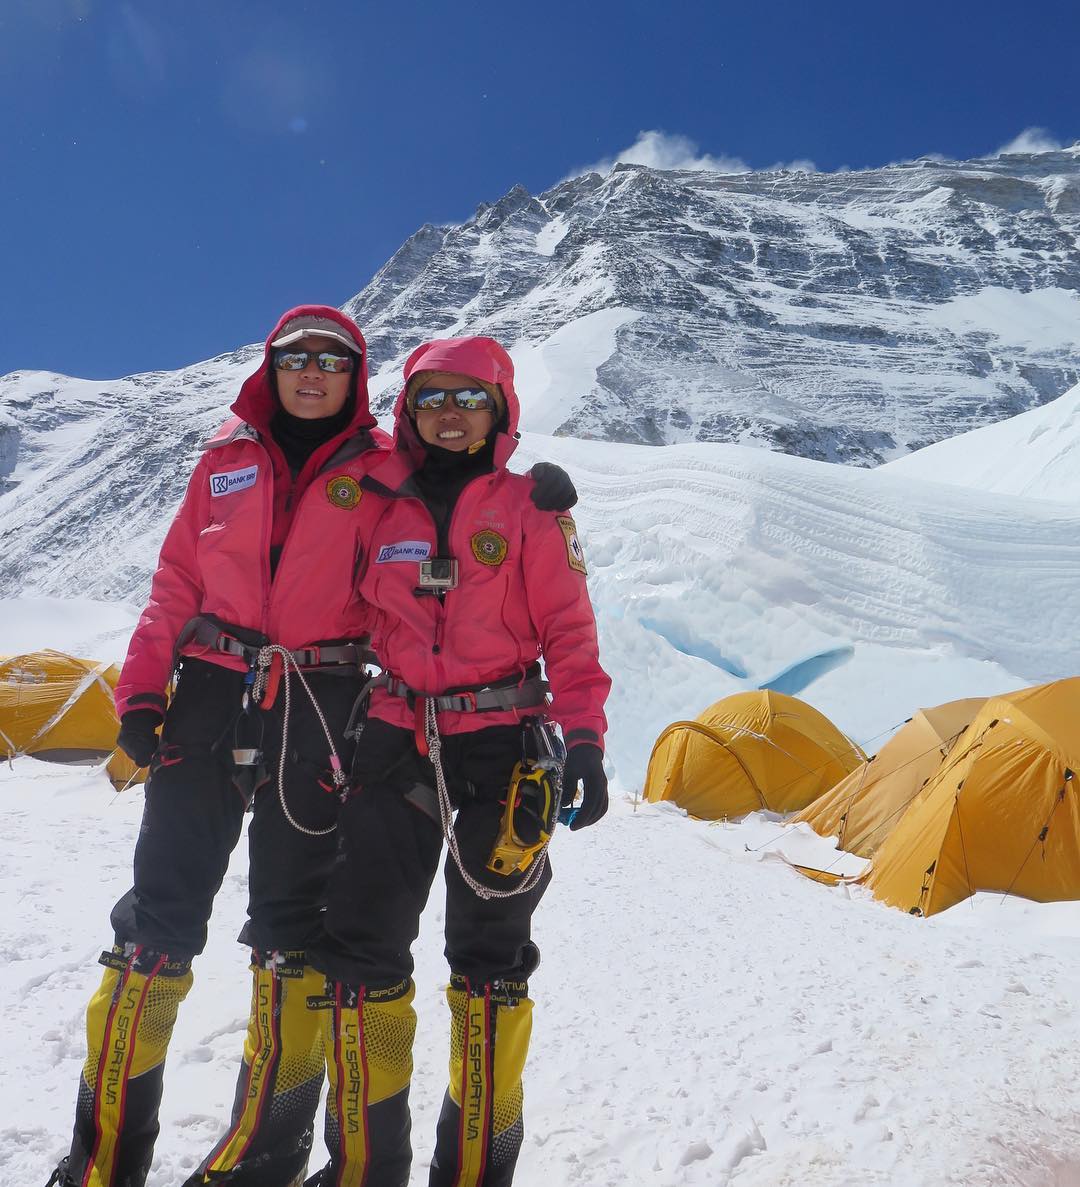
526 694
261 686
211 633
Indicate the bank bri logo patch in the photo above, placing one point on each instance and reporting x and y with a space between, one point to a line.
404 550
232 481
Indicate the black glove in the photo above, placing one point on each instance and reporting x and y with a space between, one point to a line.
552 489
585 765
138 735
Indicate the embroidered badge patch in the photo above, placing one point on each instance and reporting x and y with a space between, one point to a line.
489 547
575 554
232 481
344 492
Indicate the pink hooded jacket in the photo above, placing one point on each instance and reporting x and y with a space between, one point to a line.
242 498
521 590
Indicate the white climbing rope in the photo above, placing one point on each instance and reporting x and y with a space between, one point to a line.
262 673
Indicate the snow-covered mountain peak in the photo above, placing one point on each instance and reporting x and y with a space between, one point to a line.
845 317
807 312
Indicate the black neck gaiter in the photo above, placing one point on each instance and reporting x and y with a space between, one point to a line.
299 437
445 473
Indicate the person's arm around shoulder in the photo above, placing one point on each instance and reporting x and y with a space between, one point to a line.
553 489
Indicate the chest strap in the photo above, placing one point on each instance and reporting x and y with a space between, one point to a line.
529 694
208 633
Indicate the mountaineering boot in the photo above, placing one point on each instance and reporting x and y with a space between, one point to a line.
480 1129
129 1022
281 1077
369 1060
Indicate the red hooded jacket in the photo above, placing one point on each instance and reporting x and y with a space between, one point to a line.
521 590
241 499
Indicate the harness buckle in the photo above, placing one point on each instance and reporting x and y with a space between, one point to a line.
232 646
468 700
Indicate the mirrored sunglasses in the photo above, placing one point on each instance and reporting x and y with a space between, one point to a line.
468 399
296 360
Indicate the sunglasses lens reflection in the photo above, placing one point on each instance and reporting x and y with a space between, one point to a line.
468 399
297 360
335 363
473 401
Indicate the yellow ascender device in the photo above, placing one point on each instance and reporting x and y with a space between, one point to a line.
528 820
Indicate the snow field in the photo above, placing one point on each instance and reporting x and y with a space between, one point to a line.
704 1014
1033 454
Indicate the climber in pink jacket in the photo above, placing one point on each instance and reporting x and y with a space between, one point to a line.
254 541
252 558
471 586
521 571
255 585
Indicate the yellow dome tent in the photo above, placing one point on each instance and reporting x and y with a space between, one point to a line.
749 751
1002 812
862 809
60 709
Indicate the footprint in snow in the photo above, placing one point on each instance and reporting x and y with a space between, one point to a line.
696 1152
200 1054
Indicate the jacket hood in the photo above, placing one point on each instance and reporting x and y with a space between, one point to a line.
482 357
256 403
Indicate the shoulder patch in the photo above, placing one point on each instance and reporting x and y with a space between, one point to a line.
344 492
230 481
575 554
489 547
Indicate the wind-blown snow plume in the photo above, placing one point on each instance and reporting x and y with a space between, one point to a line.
1031 140
665 150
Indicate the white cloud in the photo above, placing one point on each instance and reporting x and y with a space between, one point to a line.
1031 140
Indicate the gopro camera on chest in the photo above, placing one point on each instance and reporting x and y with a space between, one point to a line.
438 574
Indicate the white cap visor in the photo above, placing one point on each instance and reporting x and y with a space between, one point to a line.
315 327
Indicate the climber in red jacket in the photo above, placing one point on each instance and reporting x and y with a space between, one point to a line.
470 585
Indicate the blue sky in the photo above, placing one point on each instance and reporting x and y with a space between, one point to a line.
176 174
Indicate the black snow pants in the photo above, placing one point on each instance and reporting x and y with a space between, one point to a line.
195 802
196 797
390 840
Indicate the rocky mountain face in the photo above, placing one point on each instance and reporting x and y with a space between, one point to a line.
846 317
100 467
